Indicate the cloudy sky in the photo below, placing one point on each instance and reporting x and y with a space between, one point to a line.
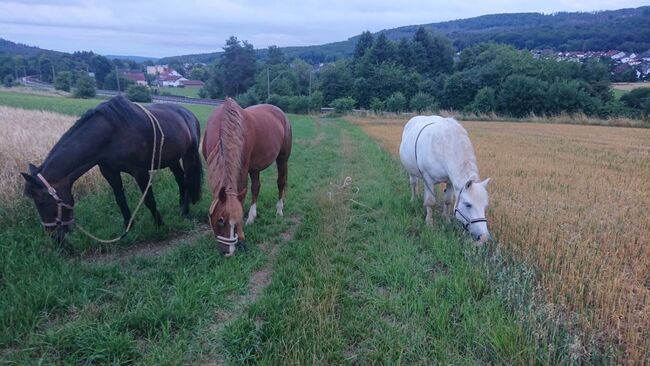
167 28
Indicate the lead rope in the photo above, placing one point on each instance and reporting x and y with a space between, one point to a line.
154 124
416 158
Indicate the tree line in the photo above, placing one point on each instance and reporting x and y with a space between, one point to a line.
419 74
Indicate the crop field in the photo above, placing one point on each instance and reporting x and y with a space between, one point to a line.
350 275
573 202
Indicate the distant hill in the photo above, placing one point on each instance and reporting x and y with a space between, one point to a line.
138 59
13 48
624 29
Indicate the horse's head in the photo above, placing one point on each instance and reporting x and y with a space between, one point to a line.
226 218
471 203
54 203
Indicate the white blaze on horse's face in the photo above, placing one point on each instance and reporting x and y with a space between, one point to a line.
473 202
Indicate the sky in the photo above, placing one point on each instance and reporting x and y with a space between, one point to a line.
168 28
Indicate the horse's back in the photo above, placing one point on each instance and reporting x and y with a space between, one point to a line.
431 143
272 131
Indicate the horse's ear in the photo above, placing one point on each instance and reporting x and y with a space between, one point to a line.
485 182
468 184
222 194
33 169
30 179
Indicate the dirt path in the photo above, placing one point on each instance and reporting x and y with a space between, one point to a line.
148 248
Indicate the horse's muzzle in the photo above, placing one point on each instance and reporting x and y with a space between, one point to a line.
228 246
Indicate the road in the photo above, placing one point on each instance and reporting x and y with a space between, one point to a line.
35 83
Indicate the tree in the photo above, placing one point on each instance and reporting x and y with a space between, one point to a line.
432 54
484 101
235 71
275 56
198 73
383 50
405 55
8 81
84 87
101 66
343 105
522 95
110 82
63 81
396 102
363 45
336 81
138 93
422 102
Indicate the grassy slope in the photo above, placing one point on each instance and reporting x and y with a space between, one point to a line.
362 281
185 92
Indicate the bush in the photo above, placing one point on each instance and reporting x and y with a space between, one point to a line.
85 87
422 102
279 101
484 101
376 105
8 81
571 97
396 102
343 105
138 93
248 98
63 81
299 104
316 101
522 95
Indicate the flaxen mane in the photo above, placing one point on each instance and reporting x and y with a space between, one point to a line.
224 161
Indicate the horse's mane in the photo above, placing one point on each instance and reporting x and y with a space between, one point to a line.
117 111
468 167
224 161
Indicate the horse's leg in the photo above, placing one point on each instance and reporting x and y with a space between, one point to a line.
184 200
448 199
142 178
115 181
283 172
413 180
429 201
255 190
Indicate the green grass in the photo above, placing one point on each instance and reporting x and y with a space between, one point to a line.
70 106
362 280
619 93
185 92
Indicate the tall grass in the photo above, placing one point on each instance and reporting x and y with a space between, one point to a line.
573 202
27 136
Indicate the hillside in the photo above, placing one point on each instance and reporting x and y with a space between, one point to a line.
13 48
624 29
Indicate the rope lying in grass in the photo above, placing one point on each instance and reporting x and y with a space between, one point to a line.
155 125
347 182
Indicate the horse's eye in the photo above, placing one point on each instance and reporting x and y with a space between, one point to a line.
221 222
468 205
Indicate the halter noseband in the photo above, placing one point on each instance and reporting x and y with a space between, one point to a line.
468 222
229 242
60 205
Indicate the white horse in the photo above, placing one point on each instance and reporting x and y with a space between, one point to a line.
438 150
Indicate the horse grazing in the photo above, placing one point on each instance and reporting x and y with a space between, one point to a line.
239 142
437 150
117 135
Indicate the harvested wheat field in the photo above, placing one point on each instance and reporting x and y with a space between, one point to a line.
573 202
27 136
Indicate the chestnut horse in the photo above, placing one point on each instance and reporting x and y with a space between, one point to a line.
239 142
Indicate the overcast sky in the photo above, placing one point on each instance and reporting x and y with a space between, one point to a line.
168 28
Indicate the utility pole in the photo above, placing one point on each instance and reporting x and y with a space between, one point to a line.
117 77
310 72
268 84
53 74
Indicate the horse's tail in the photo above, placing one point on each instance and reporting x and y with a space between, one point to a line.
192 160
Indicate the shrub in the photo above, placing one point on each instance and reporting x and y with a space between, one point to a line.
396 102
299 104
138 93
343 105
376 104
421 102
484 101
248 98
316 101
8 81
522 95
85 87
63 81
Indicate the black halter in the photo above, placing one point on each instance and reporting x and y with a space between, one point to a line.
60 205
467 222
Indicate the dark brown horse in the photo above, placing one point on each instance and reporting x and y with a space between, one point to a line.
118 136
239 142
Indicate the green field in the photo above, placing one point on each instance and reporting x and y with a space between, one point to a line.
350 275
185 92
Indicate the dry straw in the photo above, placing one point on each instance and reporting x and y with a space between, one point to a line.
27 136
573 202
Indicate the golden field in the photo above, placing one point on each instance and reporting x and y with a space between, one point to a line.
574 202
29 142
